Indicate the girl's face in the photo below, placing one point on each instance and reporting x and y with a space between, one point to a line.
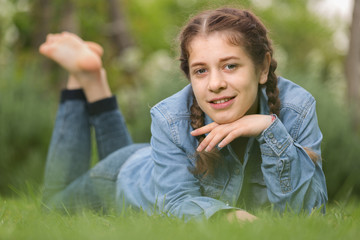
224 78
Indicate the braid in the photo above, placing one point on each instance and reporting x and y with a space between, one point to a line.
206 162
272 91
197 118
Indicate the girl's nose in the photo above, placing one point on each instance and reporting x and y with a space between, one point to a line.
216 82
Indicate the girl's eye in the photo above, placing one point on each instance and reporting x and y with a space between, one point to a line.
230 66
200 71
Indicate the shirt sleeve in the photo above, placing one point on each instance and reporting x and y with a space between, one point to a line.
293 180
177 189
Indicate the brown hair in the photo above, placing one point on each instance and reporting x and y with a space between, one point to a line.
242 28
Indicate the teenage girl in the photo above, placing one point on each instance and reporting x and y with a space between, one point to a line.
237 137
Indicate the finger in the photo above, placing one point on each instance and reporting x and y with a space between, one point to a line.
205 129
228 139
244 216
204 143
214 141
235 133
224 135
214 137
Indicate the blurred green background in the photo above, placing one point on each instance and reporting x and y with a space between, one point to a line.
139 38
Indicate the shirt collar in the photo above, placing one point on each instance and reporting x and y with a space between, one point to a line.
263 99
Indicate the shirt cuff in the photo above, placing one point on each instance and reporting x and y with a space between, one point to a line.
274 139
212 207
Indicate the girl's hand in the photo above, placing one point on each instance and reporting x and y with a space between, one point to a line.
240 216
223 134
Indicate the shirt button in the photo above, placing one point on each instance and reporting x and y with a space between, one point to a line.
273 141
271 135
237 171
278 145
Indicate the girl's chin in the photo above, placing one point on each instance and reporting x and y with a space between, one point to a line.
223 120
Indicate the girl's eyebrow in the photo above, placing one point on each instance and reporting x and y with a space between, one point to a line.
197 64
224 59
229 58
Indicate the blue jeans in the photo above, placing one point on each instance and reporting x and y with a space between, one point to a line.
69 182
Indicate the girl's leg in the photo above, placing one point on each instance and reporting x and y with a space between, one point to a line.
70 147
73 187
110 127
69 151
69 184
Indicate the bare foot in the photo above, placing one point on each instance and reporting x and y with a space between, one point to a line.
96 48
73 82
82 60
72 53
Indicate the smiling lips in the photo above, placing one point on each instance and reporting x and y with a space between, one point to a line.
222 103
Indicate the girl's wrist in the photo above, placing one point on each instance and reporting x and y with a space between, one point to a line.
273 118
270 119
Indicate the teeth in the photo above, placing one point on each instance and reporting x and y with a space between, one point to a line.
221 101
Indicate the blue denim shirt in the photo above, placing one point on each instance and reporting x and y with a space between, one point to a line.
275 168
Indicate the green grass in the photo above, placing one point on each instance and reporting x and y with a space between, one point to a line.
24 218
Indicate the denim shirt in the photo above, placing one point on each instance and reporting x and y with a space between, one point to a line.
275 169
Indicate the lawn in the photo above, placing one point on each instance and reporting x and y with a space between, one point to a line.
24 218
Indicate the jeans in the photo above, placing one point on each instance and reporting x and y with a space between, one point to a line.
69 183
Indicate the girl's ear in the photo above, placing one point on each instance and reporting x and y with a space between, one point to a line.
265 69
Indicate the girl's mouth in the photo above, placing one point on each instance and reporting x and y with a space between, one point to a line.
222 103
221 100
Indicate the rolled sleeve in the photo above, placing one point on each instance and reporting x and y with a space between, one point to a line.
293 180
275 139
